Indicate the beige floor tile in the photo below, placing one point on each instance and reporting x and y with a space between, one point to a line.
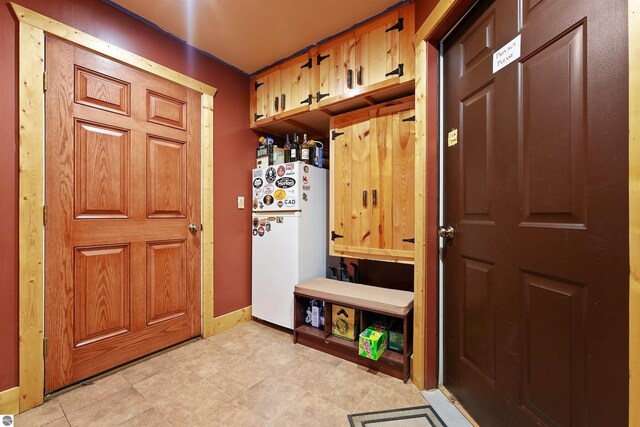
246 345
145 369
274 357
115 409
191 350
189 406
238 378
48 412
270 397
406 389
313 411
343 388
88 394
166 383
381 399
314 354
228 335
241 416
149 418
210 364
304 372
60 422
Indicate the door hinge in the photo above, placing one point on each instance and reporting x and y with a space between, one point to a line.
398 26
399 71
45 347
257 116
45 214
410 119
257 85
321 58
335 235
320 95
308 100
45 81
335 134
308 65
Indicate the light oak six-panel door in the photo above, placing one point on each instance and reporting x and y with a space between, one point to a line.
122 187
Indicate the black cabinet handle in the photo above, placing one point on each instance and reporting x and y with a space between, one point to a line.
276 104
374 197
359 75
350 79
411 240
364 198
283 102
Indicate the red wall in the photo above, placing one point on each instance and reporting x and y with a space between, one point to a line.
233 152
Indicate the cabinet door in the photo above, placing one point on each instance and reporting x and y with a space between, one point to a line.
273 91
378 51
261 91
340 189
295 79
335 62
361 186
403 182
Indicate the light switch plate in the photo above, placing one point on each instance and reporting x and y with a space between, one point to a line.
240 202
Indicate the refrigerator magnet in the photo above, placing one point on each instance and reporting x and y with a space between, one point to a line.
280 170
270 175
261 231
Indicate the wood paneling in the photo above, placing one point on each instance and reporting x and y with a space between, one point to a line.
166 178
165 110
99 91
340 183
102 158
102 293
10 401
166 280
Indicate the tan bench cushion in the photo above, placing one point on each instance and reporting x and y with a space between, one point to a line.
390 301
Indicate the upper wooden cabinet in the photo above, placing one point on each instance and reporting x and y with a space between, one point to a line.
282 91
372 182
375 57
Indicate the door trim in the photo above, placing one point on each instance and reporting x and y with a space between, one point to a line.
32 29
444 15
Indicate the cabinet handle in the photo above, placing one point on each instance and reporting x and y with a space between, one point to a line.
374 197
359 75
364 198
283 101
276 104
350 79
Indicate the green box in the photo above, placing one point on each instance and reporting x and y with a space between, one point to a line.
373 343
396 341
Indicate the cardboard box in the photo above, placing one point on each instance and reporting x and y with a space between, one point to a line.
373 343
345 322
396 341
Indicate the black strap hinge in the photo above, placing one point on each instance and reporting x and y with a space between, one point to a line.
411 240
319 96
257 85
307 100
335 235
256 116
321 58
308 65
399 71
398 26
335 134
410 119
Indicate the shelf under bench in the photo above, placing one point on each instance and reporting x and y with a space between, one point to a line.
371 301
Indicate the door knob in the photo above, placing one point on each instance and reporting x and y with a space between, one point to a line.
193 228
446 232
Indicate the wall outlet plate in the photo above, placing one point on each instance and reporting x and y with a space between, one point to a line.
240 202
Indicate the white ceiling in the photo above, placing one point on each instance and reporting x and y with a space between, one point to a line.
253 34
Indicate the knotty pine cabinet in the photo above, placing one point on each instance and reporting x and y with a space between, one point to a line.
374 57
282 91
372 182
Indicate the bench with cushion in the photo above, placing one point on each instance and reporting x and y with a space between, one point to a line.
372 301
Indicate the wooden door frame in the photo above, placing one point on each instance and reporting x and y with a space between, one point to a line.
445 14
31 53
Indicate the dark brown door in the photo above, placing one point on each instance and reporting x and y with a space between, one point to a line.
536 183
122 186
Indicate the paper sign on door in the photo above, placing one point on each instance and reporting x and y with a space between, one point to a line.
506 55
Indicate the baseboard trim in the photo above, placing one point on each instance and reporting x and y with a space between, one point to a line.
10 401
229 320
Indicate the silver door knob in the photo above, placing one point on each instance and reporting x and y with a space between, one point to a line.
193 228
446 232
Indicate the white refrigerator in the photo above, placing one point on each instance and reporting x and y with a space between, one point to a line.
289 236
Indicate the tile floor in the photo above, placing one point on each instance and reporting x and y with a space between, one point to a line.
251 375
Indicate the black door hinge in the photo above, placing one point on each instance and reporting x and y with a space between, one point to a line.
411 240
257 85
335 134
256 116
321 58
399 71
398 26
319 96
308 100
335 235
308 65
410 119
